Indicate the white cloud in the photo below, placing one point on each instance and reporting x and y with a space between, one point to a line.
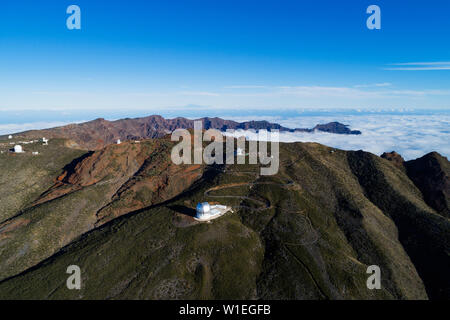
419 66
199 93
421 63
384 84
245 87
355 92
322 91
411 135
20 127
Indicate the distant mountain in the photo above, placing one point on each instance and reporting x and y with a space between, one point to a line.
96 134
335 127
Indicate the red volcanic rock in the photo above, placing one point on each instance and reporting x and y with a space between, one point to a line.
395 158
141 175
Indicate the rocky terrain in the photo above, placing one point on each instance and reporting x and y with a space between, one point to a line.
123 213
430 174
96 134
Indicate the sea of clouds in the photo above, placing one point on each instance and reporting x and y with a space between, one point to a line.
410 135
11 128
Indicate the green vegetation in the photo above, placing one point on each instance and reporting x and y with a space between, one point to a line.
308 232
24 177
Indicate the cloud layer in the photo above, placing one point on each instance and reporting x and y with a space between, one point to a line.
19 127
412 135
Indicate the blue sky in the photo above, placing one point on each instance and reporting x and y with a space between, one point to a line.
242 55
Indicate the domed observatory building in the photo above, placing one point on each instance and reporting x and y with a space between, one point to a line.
206 212
18 149
203 210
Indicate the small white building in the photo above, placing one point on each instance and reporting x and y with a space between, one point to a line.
45 141
35 153
118 141
18 148
10 137
206 212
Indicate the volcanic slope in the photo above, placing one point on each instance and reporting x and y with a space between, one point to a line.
309 232
431 174
24 176
85 195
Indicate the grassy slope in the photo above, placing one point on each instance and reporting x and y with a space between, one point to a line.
314 241
70 210
424 233
23 177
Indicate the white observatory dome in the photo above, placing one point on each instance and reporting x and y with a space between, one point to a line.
203 209
18 149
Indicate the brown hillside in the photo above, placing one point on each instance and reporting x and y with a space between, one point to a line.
96 134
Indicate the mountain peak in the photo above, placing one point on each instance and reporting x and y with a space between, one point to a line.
395 158
431 174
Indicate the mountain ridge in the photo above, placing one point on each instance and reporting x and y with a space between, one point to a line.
98 133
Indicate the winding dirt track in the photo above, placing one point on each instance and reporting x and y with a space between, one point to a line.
263 205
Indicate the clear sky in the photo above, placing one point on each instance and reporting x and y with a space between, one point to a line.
224 54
